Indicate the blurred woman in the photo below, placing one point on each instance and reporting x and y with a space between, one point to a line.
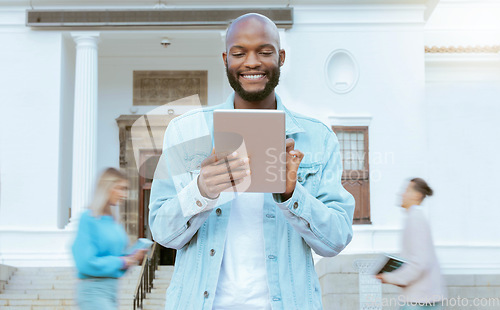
420 278
100 245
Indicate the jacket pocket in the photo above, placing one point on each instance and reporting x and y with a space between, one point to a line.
308 176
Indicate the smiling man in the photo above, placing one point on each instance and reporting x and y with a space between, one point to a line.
249 250
253 60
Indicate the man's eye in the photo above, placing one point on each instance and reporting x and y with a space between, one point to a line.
237 54
267 53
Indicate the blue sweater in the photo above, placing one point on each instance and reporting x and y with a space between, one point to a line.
100 242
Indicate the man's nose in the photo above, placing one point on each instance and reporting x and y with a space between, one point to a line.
252 60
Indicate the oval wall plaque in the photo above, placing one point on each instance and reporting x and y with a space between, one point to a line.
342 71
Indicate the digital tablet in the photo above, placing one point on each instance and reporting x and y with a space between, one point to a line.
389 263
260 135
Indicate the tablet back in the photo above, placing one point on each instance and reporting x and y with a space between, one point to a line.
260 135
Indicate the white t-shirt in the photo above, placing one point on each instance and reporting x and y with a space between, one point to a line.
243 277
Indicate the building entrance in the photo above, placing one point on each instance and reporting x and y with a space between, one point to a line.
144 152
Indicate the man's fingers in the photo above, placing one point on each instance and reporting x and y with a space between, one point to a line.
295 157
209 160
297 154
223 155
223 186
216 157
226 178
220 168
290 144
223 166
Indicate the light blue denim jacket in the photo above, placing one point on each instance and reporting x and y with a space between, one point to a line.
318 216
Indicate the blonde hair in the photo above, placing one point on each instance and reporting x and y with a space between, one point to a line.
106 182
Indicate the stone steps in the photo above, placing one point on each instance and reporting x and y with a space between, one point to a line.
54 288
156 299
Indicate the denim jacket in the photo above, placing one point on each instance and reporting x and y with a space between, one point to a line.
318 216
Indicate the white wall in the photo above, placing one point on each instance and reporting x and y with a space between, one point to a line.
464 120
464 146
30 79
462 92
68 58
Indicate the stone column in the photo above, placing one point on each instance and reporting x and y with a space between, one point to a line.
85 123
226 88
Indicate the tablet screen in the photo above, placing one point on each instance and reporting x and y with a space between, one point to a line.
260 135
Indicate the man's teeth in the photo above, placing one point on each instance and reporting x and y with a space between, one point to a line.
253 76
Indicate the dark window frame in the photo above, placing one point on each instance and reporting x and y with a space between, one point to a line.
358 178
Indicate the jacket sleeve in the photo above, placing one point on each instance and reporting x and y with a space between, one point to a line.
177 209
420 247
324 221
85 253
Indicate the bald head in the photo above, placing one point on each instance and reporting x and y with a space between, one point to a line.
253 58
253 20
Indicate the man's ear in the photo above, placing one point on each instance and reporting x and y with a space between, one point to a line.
281 54
224 58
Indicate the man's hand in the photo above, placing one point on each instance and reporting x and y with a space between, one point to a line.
293 159
221 171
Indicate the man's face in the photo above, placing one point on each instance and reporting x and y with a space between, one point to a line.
252 61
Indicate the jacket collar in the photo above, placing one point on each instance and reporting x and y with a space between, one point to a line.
291 123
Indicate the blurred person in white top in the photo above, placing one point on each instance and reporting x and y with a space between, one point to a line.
420 277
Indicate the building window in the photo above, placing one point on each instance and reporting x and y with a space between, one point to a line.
353 141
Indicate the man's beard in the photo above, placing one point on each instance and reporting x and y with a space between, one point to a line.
274 78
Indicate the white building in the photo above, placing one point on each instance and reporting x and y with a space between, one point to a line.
431 113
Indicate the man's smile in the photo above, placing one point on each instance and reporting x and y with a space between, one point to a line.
252 76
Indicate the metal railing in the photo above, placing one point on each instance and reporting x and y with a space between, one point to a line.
146 277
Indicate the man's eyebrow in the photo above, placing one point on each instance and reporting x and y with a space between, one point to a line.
260 46
267 45
237 46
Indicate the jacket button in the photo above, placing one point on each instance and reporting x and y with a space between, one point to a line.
295 205
271 257
205 294
212 252
218 211
198 203
300 179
